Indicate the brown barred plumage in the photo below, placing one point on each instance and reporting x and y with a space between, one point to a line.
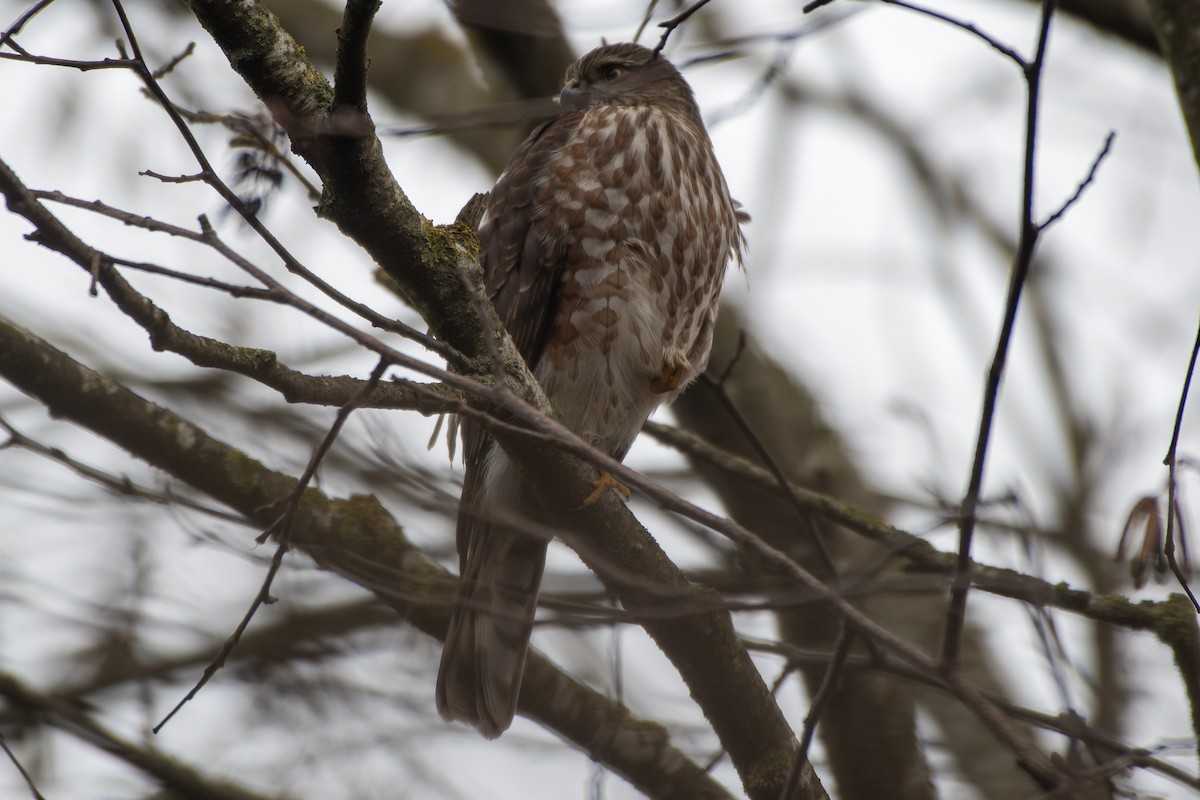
604 245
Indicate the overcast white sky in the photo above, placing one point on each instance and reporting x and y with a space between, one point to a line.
889 313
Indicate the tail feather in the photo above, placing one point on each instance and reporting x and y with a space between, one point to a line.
484 656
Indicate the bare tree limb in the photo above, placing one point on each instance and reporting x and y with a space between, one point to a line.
350 77
363 198
810 453
281 529
178 778
956 613
29 782
355 538
261 365
1177 24
924 558
1058 723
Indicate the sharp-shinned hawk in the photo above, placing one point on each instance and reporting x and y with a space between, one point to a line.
604 245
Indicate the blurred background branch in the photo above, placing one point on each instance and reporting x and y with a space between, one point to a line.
876 159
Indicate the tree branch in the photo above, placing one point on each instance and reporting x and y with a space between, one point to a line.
752 744
924 558
360 194
177 778
260 365
1177 23
1022 264
363 199
350 76
355 538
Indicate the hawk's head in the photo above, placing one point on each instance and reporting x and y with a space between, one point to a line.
624 74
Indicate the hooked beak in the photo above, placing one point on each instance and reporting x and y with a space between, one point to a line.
572 96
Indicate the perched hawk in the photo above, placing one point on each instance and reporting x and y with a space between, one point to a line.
604 244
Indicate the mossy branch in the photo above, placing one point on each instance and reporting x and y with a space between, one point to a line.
355 537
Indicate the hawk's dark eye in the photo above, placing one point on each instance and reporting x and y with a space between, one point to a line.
611 72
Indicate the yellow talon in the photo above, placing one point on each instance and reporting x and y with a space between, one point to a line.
669 379
606 481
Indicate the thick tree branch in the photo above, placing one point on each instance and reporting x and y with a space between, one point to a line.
754 746
889 763
360 194
260 365
350 78
1177 23
691 624
362 197
523 37
924 558
355 538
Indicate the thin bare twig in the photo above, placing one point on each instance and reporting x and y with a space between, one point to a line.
129 218
231 289
282 529
785 485
653 4
1172 461
956 612
1083 184
820 701
49 61
209 175
169 67
515 112
16 762
196 177
674 22
777 67
992 42
119 484
21 21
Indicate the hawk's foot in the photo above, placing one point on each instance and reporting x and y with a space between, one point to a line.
669 379
606 481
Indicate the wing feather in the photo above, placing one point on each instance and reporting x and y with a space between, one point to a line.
522 273
521 267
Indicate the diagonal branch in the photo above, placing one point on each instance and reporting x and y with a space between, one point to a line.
16 762
360 194
363 198
923 557
355 538
261 365
282 529
178 778
757 741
